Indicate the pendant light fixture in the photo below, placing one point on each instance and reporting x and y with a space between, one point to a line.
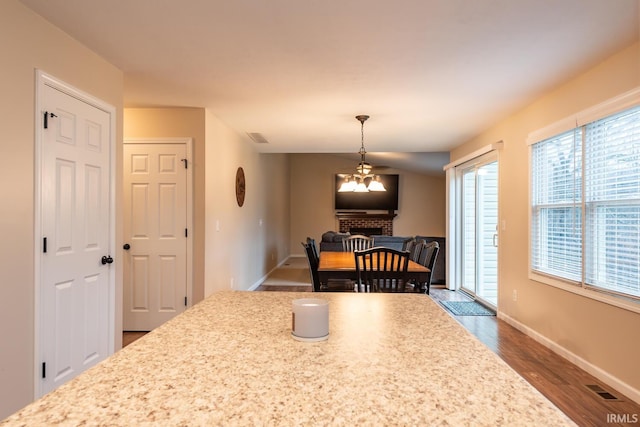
356 182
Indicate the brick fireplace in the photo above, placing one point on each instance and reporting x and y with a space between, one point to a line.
364 223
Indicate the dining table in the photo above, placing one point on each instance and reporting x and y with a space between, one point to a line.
232 360
342 265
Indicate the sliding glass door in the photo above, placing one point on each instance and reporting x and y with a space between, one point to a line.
478 219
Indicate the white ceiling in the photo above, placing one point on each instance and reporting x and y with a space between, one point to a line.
430 73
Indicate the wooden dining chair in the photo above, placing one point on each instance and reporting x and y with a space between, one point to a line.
428 257
314 247
356 242
416 249
317 286
381 269
313 266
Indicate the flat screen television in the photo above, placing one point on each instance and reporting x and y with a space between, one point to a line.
373 200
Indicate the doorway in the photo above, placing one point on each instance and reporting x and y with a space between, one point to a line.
478 219
157 231
75 233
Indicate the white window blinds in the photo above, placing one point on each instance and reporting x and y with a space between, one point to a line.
556 201
612 203
585 205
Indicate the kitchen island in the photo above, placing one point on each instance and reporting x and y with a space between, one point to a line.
390 359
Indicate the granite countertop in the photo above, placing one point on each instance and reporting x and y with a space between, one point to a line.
391 359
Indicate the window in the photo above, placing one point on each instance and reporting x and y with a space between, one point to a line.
585 205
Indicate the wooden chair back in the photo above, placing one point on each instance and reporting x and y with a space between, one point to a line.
428 258
314 247
313 266
356 242
416 249
381 269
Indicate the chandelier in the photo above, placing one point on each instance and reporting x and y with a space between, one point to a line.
356 182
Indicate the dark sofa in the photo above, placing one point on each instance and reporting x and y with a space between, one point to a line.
332 241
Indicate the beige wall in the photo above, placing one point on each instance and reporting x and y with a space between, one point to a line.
279 210
175 123
603 336
252 239
242 244
29 42
421 208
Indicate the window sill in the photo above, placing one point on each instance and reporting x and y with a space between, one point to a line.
620 302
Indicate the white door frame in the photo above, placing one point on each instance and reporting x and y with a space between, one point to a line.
43 80
453 272
188 142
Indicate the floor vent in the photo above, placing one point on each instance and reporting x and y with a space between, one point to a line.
601 392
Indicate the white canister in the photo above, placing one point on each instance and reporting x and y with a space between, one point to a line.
310 319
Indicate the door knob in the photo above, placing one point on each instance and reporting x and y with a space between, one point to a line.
107 260
126 247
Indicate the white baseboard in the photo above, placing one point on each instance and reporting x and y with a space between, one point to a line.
592 369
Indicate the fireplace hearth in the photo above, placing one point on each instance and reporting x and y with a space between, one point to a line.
365 223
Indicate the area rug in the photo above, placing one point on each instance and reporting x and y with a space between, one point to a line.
467 308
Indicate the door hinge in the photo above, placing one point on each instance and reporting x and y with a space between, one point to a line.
185 301
185 163
46 118
186 232
44 245
44 370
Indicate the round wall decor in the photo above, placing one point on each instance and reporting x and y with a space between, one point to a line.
240 186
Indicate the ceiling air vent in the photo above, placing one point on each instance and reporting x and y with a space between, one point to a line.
257 137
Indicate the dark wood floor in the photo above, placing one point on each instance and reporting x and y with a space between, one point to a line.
559 380
562 382
129 336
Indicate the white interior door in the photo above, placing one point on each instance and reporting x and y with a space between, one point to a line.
74 304
156 230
